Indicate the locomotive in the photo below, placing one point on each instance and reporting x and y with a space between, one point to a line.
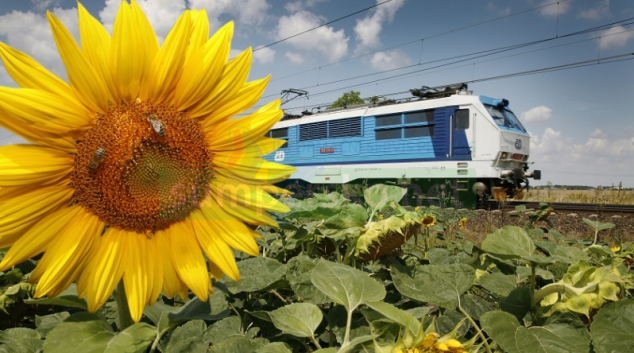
447 146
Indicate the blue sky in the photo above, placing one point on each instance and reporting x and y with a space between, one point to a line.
579 117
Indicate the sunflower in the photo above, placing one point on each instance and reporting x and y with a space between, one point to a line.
428 220
139 171
463 223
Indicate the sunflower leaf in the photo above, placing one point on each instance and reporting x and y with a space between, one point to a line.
93 334
258 273
20 340
612 327
297 319
346 285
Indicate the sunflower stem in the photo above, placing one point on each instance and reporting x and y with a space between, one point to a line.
123 310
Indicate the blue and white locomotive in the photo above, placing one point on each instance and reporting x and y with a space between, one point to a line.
455 146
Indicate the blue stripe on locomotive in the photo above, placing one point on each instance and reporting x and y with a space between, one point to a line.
366 149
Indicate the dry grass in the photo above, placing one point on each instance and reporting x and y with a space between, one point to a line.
598 196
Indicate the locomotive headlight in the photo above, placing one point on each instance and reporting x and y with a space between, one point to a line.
503 155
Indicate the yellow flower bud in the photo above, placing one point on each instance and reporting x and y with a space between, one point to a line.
430 339
452 343
441 346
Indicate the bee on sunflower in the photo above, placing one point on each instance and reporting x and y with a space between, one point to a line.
139 176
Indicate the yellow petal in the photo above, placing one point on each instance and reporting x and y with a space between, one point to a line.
155 266
45 111
134 47
29 164
215 270
202 69
20 212
28 73
37 136
37 238
233 76
66 252
171 283
239 133
106 268
256 168
168 63
244 99
137 274
229 192
187 258
200 31
231 230
96 42
214 247
86 82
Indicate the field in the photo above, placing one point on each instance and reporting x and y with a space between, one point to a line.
337 276
598 196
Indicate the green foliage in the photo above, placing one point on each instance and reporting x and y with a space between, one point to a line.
348 99
338 276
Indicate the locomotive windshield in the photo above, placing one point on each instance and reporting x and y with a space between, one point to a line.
504 117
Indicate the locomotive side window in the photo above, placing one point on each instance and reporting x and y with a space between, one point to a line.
280 134
388 134
408 125
419 131
386 120
426 116
462 119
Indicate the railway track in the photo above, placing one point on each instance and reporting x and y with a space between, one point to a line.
584 208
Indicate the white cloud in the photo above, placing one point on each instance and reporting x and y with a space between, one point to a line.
501 11
537 114
325 40
602 10
295 58
296 6
41 5
247 12
162 14
29 32
557 154
234 52
615 37
389 60
368 29
264 55
557 8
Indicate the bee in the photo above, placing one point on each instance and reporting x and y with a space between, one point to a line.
157 124
97 158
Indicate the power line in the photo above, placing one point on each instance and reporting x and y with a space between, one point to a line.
579 64
325 24
465 57
421 39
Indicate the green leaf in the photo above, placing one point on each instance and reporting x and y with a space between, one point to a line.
257 273
380 195
297 319
67 298
498 283
597 226
571 254
346 285
474 305
46 323
239 345
612 327
518 302
166 317
134 339
224 330
20 340
353 215
320 206
510 242
436 284
92 334
395 314
554 337
275 347
298 273
188 338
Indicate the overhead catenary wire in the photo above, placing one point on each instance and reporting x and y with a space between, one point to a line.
323 25
598 61
416 40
